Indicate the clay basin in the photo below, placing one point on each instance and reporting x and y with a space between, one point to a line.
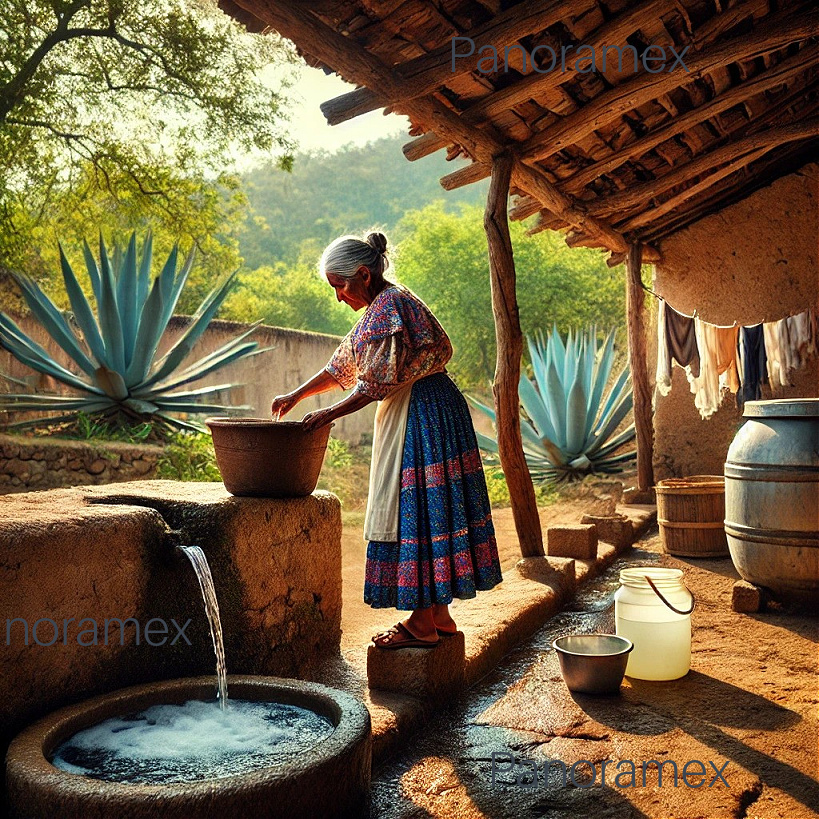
271 459
330 780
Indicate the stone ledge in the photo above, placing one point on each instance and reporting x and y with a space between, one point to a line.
419 672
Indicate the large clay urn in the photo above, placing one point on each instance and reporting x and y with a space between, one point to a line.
772 498
264 458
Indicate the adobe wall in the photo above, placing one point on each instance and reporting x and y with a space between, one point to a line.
754 261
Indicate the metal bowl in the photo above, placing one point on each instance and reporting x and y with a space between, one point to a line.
593 663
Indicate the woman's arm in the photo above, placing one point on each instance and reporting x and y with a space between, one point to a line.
355 401
321 382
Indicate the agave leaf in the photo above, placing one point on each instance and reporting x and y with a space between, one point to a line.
176 285
28 351
149 334
180 423
111 383
83 314
197 407
127 300
202 391
177 354
615 443
200 369
46 312
576 415
602 371
614 421
108 311
93 272
142 407
144 277
536 410
31 402
556 401
614 395
486 443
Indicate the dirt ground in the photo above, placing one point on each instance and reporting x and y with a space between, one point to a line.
359 619
747 708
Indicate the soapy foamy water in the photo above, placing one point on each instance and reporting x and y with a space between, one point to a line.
197 740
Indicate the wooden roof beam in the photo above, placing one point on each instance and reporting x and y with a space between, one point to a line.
778 75
356 65
784 159
778 31
638 195
422 75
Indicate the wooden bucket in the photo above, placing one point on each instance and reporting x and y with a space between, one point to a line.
691 514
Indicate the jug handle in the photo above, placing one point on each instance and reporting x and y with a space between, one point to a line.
673 608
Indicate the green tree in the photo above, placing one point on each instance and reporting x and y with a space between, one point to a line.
443 257
285 296
140 103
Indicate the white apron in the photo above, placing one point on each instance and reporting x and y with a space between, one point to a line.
381 519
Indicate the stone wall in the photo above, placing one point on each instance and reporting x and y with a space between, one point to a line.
754 261
101 553
293 357
48 463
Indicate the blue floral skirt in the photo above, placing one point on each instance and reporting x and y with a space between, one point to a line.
446 547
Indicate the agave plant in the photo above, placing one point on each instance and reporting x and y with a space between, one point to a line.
117 369
569 431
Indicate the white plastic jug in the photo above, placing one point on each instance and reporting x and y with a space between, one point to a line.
652 608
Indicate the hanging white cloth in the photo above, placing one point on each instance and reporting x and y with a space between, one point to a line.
706 386
663 376
389 431
778 359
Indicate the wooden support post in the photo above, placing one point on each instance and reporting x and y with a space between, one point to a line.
507 369
643 420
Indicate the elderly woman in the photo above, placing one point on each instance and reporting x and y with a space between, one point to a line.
428 520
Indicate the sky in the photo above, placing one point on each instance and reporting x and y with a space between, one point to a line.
311 130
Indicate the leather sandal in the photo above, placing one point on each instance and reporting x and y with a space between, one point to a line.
399 636
443 633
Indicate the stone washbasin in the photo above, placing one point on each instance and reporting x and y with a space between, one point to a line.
331 780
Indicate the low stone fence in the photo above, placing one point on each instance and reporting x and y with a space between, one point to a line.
93 590
48 463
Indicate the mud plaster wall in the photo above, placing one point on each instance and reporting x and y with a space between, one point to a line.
754 261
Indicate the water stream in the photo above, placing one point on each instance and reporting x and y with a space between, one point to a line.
194 740
203 575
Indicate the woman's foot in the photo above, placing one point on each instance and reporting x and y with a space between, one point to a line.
444 624
400 636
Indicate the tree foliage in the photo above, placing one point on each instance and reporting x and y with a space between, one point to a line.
443 257
140 105
329 194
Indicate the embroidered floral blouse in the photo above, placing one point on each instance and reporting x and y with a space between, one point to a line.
397 340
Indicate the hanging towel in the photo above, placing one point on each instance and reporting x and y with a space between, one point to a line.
705 386
727 360
802 342
676 340
754 364
777 358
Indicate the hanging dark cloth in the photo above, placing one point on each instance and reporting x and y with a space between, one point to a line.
754 363
682 340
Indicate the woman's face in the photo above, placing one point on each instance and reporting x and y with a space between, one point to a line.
354 290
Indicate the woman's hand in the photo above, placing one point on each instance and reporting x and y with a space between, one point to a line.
318 418
282 404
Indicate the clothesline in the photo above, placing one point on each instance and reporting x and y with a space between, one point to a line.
695 314
740 359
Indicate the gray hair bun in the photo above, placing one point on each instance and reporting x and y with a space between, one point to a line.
378 241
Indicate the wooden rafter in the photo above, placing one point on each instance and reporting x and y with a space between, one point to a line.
704 163
778 31
769 79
